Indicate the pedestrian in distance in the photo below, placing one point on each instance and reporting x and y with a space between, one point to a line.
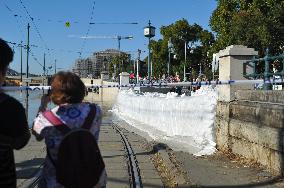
14 129
71 132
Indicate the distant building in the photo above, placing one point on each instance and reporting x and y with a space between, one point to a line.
11 72
83 67
95 64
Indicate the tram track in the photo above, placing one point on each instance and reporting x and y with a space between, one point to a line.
133 167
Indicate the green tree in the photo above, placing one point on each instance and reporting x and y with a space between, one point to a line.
120 63
254 23
159 57
197 40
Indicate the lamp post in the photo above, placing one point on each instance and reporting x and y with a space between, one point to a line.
138 59
151 65
170 47
185 48
149 32
200 72
21 62
130 37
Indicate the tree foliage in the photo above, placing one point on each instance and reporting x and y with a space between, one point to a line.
120 63
253 23
197 40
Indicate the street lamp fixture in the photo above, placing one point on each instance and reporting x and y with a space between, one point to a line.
149 32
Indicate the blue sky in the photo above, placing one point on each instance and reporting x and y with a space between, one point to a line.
48 30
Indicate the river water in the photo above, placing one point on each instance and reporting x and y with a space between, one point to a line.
105 98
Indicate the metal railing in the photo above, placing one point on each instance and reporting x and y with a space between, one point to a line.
267 74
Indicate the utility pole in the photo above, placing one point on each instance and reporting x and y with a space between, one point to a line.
44 75
184 73
28 50
55 67
138 59
21 61
44 65
27 83
151 61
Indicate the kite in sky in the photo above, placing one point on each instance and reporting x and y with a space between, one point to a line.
67 24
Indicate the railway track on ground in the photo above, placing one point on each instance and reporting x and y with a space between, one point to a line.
133 167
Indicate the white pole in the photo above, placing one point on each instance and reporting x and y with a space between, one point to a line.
137 73
184 77
151 68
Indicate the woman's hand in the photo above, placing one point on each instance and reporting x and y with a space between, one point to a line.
45 99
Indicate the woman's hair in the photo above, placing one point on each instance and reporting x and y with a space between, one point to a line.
6 55
67 87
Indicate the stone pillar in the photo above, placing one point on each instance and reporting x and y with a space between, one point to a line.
231 67
104 75
124 79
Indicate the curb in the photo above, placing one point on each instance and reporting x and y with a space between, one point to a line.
170 173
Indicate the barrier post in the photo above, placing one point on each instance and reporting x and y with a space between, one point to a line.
124 79
231 68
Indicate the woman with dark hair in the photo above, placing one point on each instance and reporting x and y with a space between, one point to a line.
14 130
67 93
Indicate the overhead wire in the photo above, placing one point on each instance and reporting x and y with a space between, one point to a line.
15 44
36 60
51 49
36 28
88 30
13 14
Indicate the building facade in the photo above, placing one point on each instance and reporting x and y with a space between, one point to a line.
92 66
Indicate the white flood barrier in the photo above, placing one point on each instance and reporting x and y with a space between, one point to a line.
185 123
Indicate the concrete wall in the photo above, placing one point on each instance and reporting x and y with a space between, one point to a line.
252 126
248 122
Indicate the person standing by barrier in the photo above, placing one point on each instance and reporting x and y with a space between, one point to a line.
14 130
70 166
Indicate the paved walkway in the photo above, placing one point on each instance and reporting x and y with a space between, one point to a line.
219 171
28 160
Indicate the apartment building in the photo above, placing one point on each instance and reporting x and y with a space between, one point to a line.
93 66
